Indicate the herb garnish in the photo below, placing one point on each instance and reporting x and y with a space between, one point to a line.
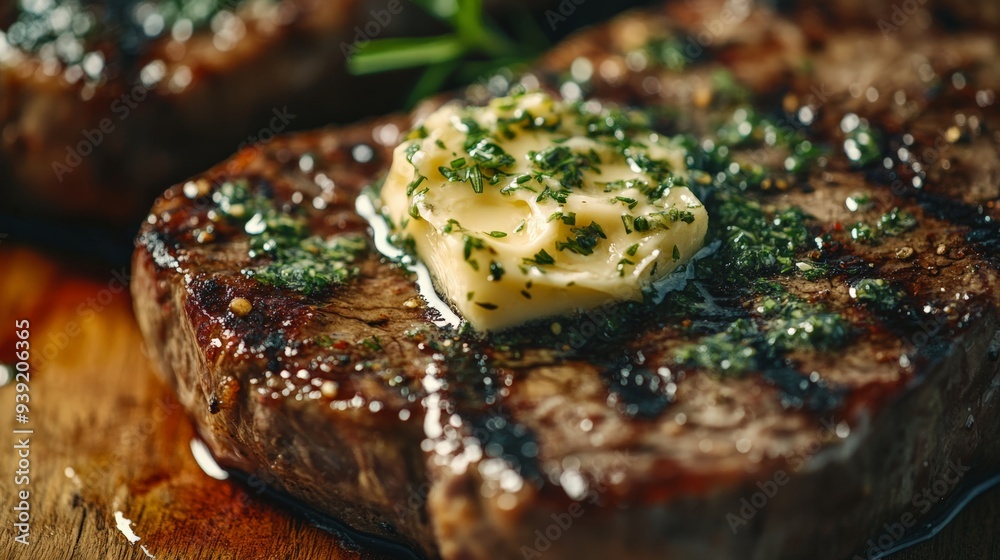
541 258
584 239
292 259
563 164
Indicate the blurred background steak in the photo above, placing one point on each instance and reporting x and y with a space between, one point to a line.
104 103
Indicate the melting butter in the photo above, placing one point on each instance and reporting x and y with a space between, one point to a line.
530 207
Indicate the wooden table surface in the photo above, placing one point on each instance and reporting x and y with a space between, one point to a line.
111 447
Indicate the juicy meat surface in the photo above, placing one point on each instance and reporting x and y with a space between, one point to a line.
585 436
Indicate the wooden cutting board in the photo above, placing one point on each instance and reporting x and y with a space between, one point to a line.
110 453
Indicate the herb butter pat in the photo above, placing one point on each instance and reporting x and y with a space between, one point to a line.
531 207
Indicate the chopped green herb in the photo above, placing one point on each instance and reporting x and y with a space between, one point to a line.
496 271
314 264
563 164
621 266
877 294
568 218
862 232
862 145
490 155
630 202
896 222
417 180
785 322
541 258
558 195
372 343
295 260
460 172
583 240
476 178
470 244
622 185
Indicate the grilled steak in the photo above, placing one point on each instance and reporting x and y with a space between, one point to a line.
820 376
104 103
